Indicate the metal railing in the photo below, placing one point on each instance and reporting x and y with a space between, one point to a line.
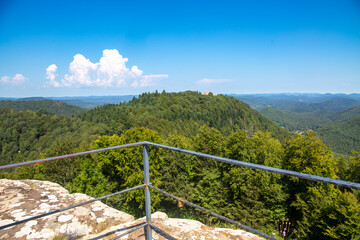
148 225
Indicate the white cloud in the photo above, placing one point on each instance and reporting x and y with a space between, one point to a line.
16 80
50 74
5 79
81 71
110 71
209 81
137 72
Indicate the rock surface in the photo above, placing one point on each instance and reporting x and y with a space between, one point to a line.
28 198
22 199
181 229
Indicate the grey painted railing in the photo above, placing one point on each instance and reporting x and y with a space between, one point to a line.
148 226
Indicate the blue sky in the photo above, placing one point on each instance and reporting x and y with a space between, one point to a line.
80 48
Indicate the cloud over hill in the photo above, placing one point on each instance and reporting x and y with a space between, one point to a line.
110 71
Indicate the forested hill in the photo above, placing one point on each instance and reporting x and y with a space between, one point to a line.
26 135
182 113
43 105
341 130
301 102
342 135
308 120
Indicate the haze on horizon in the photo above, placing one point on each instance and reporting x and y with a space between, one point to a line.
83 48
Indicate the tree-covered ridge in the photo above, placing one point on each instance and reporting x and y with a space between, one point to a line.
182 113
349 113
343 135
27 135
301 102
338 129
46 106
298 121
295 121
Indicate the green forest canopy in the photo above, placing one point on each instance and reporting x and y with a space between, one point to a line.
341 130
217 125
182 113
256 198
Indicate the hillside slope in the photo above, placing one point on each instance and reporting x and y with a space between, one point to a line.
349 113
50 106
340 130
298 121
301 102
182 113
28 135
342 135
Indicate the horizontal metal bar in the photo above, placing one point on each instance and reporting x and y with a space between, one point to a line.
120 230
133 229
261 167
215 214
70 155
130 231
161 232
70 207
221 159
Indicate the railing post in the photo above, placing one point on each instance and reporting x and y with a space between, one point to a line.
147 228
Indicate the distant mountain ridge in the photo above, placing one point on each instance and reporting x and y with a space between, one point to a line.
94 101
301 102
44 105
297 102
334 116
81 101
31 99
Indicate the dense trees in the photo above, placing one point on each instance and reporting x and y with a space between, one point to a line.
342 135
29 135
182 113
338 129
313 204
120 169
199 123
295 121
258 195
